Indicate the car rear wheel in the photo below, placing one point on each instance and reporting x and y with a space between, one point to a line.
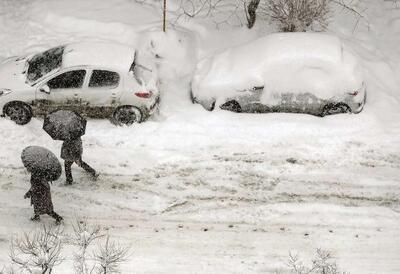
232 106
335 108
127 115
20 113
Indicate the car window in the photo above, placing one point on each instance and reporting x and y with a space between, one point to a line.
104 78
70 79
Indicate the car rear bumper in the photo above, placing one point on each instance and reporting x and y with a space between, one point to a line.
152 108
155 105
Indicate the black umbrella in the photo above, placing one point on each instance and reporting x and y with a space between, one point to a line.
41 160
64 125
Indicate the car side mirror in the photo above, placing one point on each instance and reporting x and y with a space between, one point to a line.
45 89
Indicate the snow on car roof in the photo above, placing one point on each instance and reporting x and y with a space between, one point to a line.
114 56
281 62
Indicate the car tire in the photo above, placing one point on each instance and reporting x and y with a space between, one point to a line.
232 106
335 108
18 112
127 115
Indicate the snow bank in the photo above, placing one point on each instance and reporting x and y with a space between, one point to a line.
174 51
295 62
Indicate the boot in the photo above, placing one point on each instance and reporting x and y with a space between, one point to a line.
35 218
57 217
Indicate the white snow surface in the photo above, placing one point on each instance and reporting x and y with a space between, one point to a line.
281 63
103 55
217 192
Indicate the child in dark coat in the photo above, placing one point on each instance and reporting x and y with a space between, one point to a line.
41 198
71 152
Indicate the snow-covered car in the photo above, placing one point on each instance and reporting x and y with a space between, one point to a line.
102 80
285 72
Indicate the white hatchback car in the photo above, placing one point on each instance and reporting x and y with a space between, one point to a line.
101 80
312 73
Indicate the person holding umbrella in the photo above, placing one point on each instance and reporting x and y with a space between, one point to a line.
71 152
44 167
68 126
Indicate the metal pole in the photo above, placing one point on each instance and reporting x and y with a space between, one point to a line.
165 16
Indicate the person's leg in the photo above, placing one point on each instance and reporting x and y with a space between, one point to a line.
68 173
57 217
86 167
36 216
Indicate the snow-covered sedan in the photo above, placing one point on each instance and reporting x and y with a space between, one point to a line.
102 80
285 72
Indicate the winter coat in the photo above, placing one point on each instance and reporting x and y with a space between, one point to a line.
40 195
72 150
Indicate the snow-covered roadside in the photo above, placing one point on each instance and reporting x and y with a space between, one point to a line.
189 167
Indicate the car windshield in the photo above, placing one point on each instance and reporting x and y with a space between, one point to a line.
43 63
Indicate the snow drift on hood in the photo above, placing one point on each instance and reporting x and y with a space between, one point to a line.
282 62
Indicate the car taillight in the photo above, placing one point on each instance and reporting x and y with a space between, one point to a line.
144 94
354 93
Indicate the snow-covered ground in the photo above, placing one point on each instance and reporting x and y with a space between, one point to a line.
218 192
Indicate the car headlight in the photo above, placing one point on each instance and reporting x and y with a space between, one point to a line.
5 91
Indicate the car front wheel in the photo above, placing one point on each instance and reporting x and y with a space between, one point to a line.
232 106
335 108
20 113
127 115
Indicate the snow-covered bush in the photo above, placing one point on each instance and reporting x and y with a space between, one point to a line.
109 256
83 236
105 256
299 15
39 251
322 263
296 15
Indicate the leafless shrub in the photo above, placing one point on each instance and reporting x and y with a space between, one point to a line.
83 236
40 250
359 15
220 12
297 15
109 256
37 252
323 263
94 255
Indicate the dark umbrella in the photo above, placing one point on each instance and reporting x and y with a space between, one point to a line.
41 160
64 125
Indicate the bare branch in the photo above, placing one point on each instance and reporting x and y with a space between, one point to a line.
84 235
359 15
217 11
296 15
322 264
38 250
109 256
